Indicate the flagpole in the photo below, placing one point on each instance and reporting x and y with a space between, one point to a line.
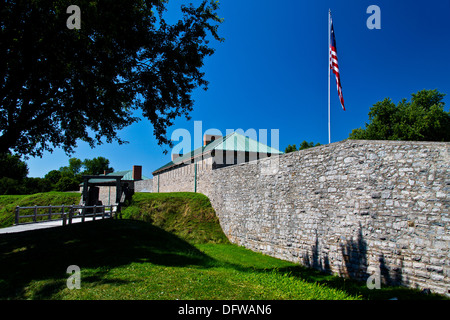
329 76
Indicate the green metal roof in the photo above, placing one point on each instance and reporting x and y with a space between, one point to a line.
126 175
231 142
238 142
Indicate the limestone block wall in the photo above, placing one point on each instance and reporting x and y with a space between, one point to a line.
181 179
354 208
143 185
107 195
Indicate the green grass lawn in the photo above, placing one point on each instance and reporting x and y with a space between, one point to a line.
125 259
187 215
171 255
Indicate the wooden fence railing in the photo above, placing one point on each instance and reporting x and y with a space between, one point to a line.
65 213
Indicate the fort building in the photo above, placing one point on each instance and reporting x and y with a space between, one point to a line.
217 152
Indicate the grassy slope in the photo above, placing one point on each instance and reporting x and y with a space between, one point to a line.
9 202
187 215
129 259
125 259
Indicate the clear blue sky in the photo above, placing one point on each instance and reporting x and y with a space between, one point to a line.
272 73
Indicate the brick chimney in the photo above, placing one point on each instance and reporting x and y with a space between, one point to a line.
137 172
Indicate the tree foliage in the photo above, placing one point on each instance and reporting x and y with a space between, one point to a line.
96 166
58 86
13 177
290 148
304 145
70 176
67 183
12 167
53 176
14 180
421 119
73 168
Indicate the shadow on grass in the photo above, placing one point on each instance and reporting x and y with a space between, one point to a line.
103 245
352 287
358 288
46 254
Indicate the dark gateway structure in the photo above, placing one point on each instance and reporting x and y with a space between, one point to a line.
110 188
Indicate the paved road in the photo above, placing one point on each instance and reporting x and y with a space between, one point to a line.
40 225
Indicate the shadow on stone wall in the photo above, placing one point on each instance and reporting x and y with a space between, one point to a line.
390 275
314 260
355 263
354 256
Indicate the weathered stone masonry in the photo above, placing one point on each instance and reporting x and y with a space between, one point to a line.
354 208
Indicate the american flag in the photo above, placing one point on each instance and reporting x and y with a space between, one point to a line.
334 64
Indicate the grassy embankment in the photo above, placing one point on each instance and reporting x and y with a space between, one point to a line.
181 254
8 203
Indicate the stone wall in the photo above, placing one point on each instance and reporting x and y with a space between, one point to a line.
354 208
143 185
181 179
107 195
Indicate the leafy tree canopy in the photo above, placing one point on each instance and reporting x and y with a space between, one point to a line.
304 145
73 169
421 119
59 85
67 183
14 180
53 176
12 167
96 166
290 148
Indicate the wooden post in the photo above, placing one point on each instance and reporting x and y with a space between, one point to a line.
118 190
50 212
83 213
85 191
118 211
70 214
17 215
63 216
35 214
95 212
103 212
